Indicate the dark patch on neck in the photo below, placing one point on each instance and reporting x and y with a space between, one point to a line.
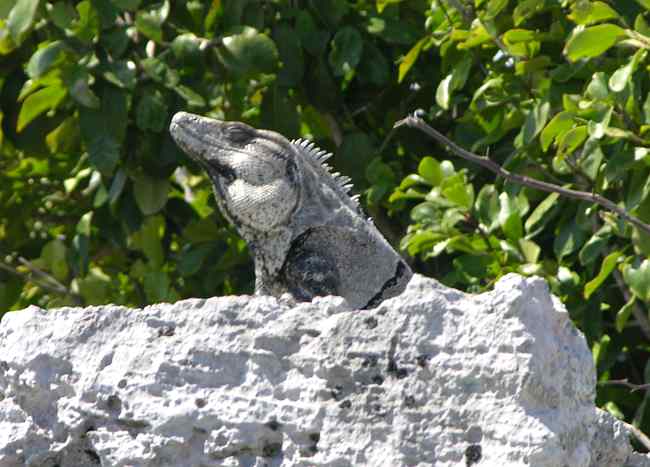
308 272
392 282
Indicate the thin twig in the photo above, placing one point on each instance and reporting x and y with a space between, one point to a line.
492 166
42 274
384 143
624 382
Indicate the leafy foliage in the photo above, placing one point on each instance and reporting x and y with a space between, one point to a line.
98 205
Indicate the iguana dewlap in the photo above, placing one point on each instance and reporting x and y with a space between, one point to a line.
308 237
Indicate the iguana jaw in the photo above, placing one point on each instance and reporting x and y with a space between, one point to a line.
203 140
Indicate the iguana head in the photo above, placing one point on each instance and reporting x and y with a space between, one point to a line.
253 171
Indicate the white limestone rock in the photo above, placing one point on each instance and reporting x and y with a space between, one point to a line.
432 377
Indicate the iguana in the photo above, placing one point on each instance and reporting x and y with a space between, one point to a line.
307 235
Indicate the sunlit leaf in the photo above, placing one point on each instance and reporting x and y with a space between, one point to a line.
606 268
593 41
587 12
637 277
409 59
249 52
21 18
39 102
623 315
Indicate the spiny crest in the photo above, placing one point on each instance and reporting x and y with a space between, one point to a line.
320 156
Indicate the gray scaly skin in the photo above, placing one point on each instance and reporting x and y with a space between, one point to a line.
308 237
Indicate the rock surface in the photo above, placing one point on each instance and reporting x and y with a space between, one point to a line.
432 377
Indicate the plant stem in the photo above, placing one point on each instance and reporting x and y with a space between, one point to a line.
416 122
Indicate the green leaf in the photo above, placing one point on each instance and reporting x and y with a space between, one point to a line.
84 224
62 14
78 82
426 213
559 124
600 348
391 30
104 151
569 239
157 286
54 257
314 40
192 258
121 73
535 121
609 263
374 67
21 18
494 7
151 112
487 208
65 137
530 250
379 172
45 58
94 287
644 3
621 77
611 406
202 230
150 193
117 185
593 41
40 101
150 22
148 240
409 59
249 53
430 170
192 98
509 217
587 12
595 246
104 129
86 27
187 49
637 277
457 190
597 87
443 92
641 25
381 4
345 52
332 12
571 140
624 314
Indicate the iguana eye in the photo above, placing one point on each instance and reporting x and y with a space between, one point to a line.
238 135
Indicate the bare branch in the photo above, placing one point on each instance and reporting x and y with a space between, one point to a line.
638 434
492 166
624 382
41 279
